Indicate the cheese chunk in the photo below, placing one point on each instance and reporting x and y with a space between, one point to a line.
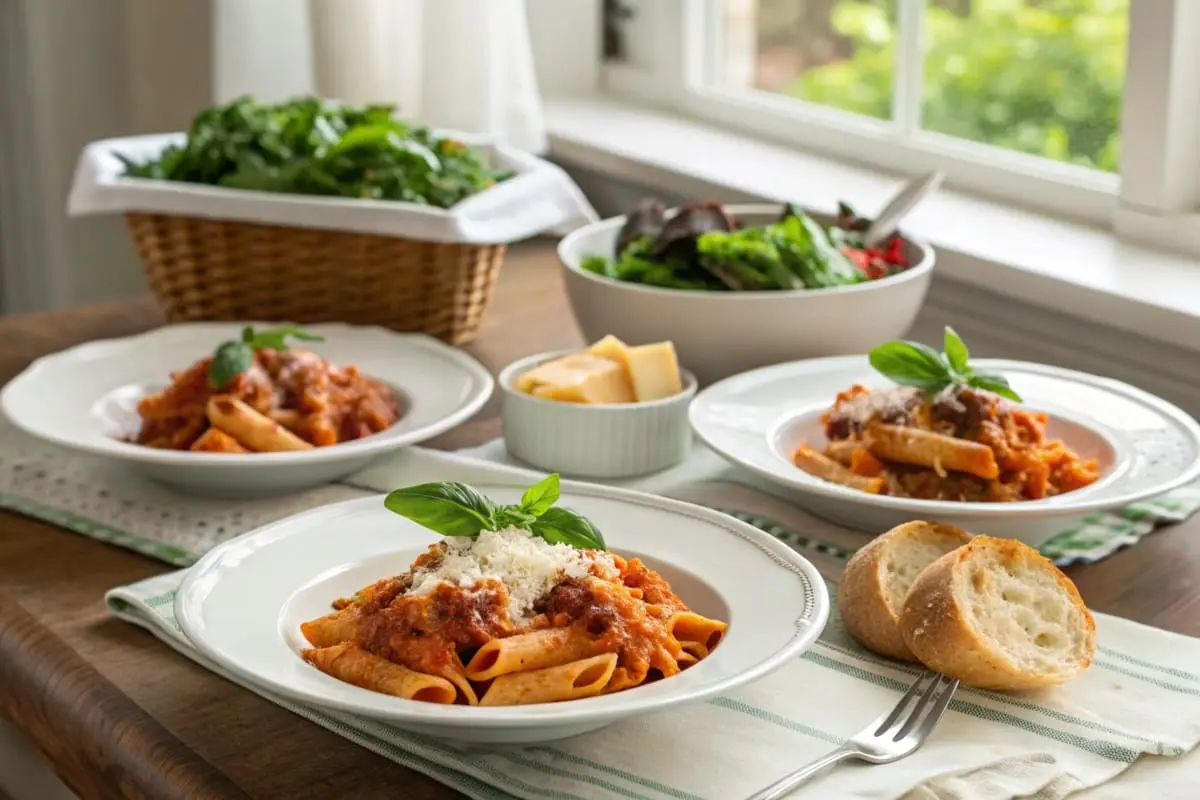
612 348
653 371
581 378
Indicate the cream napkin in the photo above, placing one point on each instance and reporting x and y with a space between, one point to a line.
1141 697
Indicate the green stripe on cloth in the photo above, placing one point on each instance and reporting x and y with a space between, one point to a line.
160 551
774 719
1096 538
1109 750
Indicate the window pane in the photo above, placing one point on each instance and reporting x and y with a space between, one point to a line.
832 52
1039 76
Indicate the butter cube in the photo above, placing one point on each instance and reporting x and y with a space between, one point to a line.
582 378
653 371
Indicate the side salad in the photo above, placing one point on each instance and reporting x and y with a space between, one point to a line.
311 146
704 248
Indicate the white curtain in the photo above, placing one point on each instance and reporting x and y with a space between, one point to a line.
465 65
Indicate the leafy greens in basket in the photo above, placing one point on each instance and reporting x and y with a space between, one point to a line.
455 509
703 247
316 147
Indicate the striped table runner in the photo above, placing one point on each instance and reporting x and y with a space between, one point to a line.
1127 729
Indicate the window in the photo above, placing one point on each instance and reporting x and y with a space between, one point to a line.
1041 78
1082 107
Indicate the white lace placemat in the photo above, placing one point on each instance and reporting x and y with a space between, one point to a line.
100 498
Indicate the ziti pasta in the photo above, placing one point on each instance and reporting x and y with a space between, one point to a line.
257 394
950 433
501 614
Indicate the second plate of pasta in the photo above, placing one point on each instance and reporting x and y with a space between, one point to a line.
503 614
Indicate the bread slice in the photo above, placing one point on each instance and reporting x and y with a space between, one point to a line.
878 576
997 614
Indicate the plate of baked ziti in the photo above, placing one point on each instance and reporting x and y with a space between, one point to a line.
1013 448
503 614
246 409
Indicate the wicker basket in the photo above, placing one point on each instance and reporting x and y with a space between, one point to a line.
210 269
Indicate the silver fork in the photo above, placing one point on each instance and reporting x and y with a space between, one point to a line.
891 737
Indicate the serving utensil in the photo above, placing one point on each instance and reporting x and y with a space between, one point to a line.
891 737
887 221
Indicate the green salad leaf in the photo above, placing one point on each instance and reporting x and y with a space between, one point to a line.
918 365
307 145
455 509
234 357
795 252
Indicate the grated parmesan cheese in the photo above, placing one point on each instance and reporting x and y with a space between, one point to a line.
527 565
880 403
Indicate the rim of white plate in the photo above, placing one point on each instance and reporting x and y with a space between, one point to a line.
358 448
1070 503
804 630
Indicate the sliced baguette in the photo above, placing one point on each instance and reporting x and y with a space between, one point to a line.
877 577
997 614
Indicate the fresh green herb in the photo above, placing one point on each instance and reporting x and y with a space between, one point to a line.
920 366
451 509
234 357
455 509
563 526
311 146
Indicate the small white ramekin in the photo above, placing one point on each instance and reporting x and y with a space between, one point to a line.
621 440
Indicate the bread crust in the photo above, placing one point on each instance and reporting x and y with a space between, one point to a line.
937 629
862 594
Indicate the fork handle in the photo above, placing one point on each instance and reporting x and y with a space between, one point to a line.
790 781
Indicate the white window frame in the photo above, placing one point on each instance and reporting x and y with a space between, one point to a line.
1155 196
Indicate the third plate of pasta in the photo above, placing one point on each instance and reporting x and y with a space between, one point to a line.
500 613
910 432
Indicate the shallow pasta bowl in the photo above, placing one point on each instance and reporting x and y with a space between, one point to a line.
1144 445
242 605
85 399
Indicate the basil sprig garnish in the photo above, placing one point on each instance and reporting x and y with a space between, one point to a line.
455 509
234 357
920 366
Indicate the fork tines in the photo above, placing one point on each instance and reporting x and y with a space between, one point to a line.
932 693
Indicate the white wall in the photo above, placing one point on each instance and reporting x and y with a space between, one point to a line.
260 47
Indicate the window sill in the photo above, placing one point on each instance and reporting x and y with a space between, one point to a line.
1074 269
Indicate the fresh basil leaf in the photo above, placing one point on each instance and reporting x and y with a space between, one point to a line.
560 525
956 351
541 495
248 335
276 338
997 384
911 364
230 360
451 509
514 516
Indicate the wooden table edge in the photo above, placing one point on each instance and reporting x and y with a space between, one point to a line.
111 737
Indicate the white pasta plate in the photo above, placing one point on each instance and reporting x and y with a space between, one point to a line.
85 399
243 604
1144 445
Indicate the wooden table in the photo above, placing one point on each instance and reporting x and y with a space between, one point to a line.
121 715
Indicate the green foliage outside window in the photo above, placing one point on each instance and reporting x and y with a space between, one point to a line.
1039 76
